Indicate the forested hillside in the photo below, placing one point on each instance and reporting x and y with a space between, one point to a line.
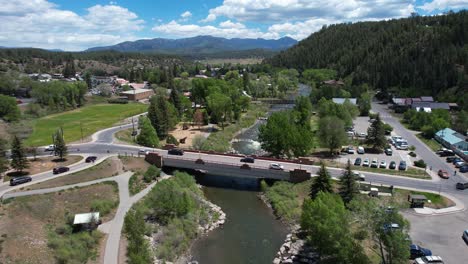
31 60
413 56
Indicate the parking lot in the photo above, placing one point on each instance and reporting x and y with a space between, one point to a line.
441 234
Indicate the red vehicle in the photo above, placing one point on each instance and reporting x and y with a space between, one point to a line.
443 174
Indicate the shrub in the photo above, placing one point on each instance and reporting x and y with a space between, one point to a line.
420 163
102 206
151 174
117 101
74 248
412 154
412 148
172 140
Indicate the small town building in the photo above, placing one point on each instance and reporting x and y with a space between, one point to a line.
86 221
454 141
342 100
417 200
333 83
137 95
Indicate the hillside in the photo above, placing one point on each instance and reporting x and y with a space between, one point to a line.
31 60
199 45
415 56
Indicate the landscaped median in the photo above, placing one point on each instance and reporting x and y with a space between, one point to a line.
81 122
409 172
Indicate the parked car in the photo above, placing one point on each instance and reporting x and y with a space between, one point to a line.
350 150
366 163
357 162
175 151
455 160
383 164
402 146
276 166
462 185
465 235
390 227
443 174
450 159
248 160
59 170
392 165
360 150
90 159
402 165
460 164
20 180
429 259
374 164
359 176
362 135
50 148
388 151
417 251
464 168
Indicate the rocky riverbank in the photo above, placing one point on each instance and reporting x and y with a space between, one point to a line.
294 250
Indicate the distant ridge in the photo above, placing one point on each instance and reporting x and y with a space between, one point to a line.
199 45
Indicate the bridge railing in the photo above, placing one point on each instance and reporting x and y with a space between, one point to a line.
216 162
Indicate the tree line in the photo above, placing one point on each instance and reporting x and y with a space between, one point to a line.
431 57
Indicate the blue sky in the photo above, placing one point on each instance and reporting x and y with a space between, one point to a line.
80 24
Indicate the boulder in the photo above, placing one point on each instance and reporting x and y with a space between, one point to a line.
276 261
287 245
287 261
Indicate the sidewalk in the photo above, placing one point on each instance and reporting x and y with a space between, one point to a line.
458 207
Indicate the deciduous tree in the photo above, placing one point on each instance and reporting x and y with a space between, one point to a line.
331 133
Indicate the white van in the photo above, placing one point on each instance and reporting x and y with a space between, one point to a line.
360 150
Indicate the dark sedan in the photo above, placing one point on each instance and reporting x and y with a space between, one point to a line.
248 160
358 161
59 170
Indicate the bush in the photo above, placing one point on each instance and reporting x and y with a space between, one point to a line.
102 206
412 148
172 140
151 174
420 163
412 154
74 248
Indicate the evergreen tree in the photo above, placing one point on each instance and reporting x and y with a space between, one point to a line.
19 162
376 134
246 82
321 183
147 136
158 113
175 100
60 148
348 188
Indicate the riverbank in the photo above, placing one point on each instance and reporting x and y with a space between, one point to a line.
162 227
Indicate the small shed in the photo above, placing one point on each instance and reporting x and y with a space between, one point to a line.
86 221
417 200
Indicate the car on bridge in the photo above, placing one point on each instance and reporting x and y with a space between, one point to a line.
359 176
175 151
443 174
20 180
417 251
462 185
59 170
248 160
276 166
50 148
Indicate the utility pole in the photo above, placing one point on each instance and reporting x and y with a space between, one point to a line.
81 129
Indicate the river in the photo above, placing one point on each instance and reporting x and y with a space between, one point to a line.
251 234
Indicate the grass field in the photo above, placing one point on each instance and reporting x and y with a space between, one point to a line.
126 136
431 143
88 119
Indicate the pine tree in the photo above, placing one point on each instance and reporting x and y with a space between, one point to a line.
321 183
19 162
147 136
60 148
246 82
376 134
175 100
158 114
348 187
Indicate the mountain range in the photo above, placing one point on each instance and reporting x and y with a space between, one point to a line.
199 45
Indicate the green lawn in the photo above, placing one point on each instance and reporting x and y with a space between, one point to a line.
92 118
431 143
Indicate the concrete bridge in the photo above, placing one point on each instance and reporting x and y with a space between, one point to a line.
227 168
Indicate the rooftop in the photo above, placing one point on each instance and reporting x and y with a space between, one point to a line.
138 91
451 136
342 100
85 218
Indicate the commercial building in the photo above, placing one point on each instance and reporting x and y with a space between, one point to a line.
137 95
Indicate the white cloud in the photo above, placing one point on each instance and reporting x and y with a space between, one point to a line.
186 14
209 18
39 23
286 10
444 5
226 29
